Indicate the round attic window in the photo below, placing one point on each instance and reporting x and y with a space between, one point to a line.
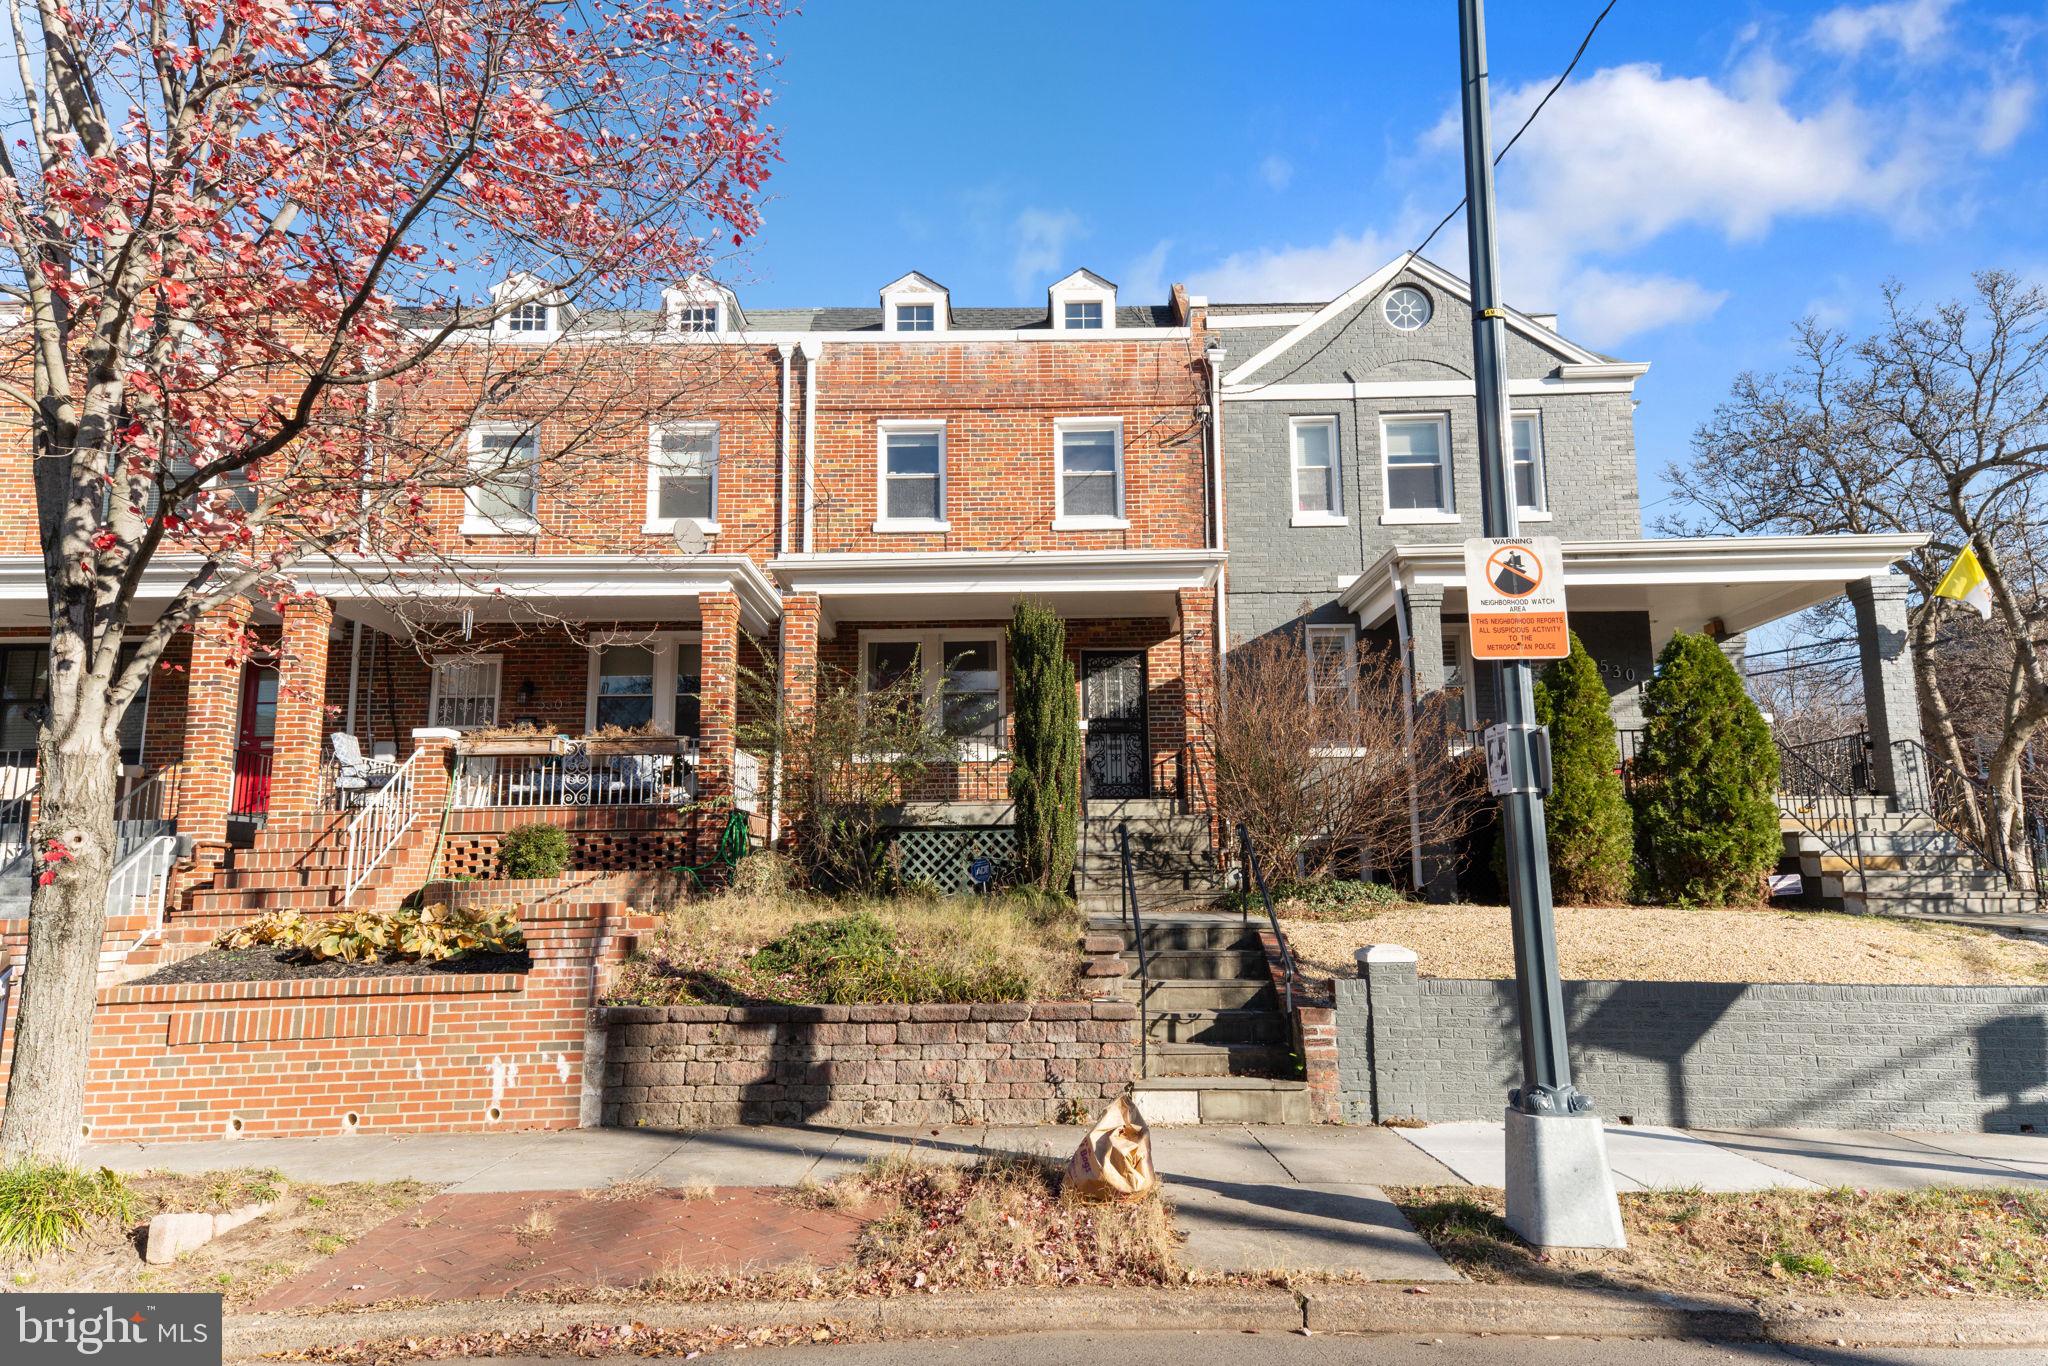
1407 308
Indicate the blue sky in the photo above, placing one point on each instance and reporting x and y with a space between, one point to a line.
1710 174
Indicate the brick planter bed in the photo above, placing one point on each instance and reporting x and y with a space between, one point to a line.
1025 1063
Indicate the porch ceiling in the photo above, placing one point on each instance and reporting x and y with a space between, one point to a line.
970 585
1744 581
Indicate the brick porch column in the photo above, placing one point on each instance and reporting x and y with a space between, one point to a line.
718 709
436 747
301 707
1891 701
799 665
213 708
1197 608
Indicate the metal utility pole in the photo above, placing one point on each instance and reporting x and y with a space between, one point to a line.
1550 1122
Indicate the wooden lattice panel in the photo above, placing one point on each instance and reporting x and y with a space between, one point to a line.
938 856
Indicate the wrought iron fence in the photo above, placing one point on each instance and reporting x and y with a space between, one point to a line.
1967 806
1828 809
582 776
1841 762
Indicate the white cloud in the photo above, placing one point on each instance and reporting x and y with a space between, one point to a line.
1916 27
1144 279
1041 237
2007 111
1612 307
1277 172
1296 274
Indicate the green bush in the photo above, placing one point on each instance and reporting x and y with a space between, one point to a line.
1587 820
536 850
1044 746
1333 898
1706 805
44 1207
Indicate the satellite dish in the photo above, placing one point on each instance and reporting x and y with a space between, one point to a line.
690 538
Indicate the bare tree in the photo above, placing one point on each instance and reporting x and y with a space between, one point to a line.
235 240
1324 762
1935 422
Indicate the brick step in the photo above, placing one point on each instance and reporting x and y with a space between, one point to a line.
1219 1060
1223 1100
258 900
279 878
283 860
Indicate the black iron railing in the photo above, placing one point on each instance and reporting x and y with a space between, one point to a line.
1964 804
1842 761
1135 918
1258 883
1826 808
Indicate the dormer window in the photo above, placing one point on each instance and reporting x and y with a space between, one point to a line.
697 318
700 307
1082 302
529 317
915 303
1083 315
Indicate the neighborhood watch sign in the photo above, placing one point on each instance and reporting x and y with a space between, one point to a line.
1514 596
110 1330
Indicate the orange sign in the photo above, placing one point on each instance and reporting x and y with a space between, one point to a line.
1514 594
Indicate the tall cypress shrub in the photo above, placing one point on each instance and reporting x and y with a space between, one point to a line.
1591 833
1045 757
1707 778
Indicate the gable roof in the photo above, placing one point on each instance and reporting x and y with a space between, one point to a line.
1437 278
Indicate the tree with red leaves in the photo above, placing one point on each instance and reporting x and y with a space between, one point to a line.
237 232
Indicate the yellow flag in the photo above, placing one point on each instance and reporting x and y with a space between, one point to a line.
1965 582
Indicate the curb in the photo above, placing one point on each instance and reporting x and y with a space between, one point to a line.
1361 1309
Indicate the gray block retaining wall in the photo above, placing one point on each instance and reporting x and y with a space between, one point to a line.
698 1066
1704 1054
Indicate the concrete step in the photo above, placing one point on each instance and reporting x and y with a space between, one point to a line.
1817 864
1114 809
1219 1060
1201 965
1208 933
1208 995
1989 905
1862 803
1223 1100
1261 1025
1917 882
1156 904
1896 823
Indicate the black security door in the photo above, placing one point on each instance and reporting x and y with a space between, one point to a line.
1113 704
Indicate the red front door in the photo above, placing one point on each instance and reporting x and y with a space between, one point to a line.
253 741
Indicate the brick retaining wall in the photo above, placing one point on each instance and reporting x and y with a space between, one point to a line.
1703 1053
1028 1063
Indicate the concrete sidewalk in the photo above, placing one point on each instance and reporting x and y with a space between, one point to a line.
1249 1199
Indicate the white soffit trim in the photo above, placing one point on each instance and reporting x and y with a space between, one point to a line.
956 337
596 580
1223 322
1344 391
998 572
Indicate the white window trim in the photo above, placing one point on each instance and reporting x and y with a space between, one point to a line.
497 663
663 644
1342 631
904 426
662 526
931 662
1540 513
1469 702
1078 288
472 524
912 292
1335 516
1092 522
1447 485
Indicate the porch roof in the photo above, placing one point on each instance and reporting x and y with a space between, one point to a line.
974 584
1683 583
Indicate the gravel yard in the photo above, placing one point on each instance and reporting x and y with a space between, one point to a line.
1670 944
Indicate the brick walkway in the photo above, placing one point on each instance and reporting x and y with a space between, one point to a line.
464 1247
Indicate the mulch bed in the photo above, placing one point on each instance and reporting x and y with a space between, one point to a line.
272 965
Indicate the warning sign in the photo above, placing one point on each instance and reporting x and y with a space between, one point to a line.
1514 591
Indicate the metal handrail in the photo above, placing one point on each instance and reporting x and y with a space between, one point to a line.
383 821
1843 759
1135 918
146 800
1837 804
1960 802
145 872
1251 862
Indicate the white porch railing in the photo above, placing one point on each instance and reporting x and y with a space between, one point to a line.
143 875
576 777
746 780
382 823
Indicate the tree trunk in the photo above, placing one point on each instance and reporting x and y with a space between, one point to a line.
45 1115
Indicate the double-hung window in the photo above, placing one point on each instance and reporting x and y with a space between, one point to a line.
465 691
1332 664
696 318
1082 315
1091 475
957 677
1318 485
682 476
1525 432
912 459
1417 453
656 684
915 318
503 489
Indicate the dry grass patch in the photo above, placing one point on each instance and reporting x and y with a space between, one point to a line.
741 948
308 1223
1672 944
1945 1242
